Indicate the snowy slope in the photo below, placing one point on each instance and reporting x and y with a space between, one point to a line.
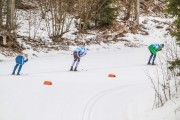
85 95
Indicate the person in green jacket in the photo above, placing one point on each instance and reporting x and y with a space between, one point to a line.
154 48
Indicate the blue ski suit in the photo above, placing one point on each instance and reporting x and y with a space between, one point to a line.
20 60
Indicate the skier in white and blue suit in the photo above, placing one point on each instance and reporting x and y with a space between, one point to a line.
20 60
78 53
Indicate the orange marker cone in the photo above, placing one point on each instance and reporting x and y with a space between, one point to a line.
47 83
111 75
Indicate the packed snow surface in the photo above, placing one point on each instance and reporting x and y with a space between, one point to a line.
88 94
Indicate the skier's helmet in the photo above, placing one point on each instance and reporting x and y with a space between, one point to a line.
162 45
26 55
83 44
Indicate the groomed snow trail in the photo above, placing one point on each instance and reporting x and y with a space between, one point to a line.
88 94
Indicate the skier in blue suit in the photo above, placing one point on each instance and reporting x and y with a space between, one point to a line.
78 53
20 60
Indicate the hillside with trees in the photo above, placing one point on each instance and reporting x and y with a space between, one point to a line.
61 23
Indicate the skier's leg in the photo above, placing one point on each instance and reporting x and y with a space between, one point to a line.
75 60
73 64
77 63
15 67
154 57
19 70
149 62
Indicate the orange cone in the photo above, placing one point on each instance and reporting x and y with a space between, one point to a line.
111 75
47 83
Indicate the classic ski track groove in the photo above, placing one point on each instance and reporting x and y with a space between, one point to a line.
87 112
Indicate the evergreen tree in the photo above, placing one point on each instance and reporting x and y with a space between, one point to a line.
174 9
106 13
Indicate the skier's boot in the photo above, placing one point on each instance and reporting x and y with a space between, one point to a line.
75 69
18 74
71 68
13 73
148 63
153 63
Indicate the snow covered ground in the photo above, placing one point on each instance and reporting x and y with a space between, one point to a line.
88 94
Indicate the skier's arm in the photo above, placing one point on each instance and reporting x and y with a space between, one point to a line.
159 49
83 54
25 60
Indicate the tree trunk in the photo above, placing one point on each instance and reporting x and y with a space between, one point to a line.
137 12
10 14
1 7
129 8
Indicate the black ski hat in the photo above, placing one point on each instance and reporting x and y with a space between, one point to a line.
162 45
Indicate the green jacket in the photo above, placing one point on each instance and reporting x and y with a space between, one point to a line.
154 48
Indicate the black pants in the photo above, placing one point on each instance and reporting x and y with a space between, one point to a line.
76 59
152 56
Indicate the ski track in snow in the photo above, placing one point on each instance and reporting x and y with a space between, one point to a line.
87 113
